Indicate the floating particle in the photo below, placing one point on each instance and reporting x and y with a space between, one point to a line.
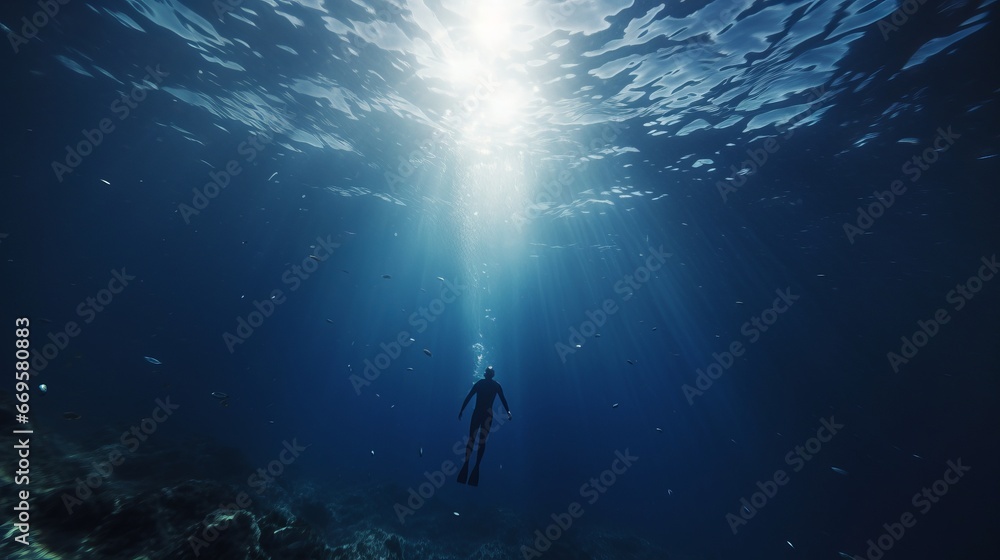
409 369
220 395
630 362
598 335
153 361
373 452
315 258
838 471
272 175
43 388
659 429
329 321
654 328
386 276
614 405
71 416
670 492
441 278
421 452
426 351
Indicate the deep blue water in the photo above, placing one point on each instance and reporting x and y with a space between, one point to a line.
540 174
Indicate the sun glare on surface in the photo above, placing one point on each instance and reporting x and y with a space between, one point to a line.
492 25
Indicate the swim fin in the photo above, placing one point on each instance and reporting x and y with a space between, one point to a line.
464 473
474 477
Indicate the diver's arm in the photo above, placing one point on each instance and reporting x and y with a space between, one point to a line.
467 399
503 400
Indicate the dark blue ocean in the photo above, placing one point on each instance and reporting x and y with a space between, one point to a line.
734 263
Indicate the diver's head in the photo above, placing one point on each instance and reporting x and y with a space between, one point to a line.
489 372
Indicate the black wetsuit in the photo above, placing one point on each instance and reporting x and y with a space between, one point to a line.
486 390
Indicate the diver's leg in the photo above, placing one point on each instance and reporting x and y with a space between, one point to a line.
463 474
484 432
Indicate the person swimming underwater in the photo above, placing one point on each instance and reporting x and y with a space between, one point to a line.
486 391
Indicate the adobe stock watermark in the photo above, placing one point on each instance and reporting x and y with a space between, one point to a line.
419 320
419 496
87 310
218 520
913 168
249 149
131 440
293 277
626 288
923 501
899 17
592 490
94 137
796 459
47 11
551 191
758 157
962 294
752 330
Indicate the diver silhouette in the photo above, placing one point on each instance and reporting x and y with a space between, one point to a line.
486 390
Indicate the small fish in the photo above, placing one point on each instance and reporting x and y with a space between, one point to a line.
456 513
220 395
630 362
426 351
421 452
373 452
654 328
441 278
105 182
315 258
153 361
272 175
845 556
614 405
409 369
598 335
838 471
790 544
329 321
670 492
71 416
386 276
659 430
